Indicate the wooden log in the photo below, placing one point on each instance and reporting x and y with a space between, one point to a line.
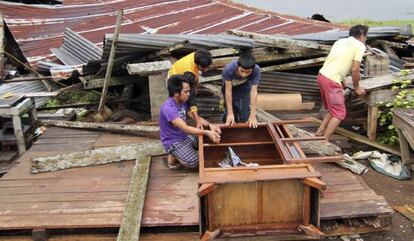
279 42
150 68
310 147
97 157
131 217
362 139
115 81
110 60
139 130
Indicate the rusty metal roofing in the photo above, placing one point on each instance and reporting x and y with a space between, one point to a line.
37 28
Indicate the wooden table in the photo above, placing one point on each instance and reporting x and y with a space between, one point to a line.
404 121
15 107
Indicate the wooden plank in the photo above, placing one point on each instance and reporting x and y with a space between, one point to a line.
149 68
140 130
206 188
18 133
131 220
355 209
115 81
362 139
158 93
96 157
295 65
384 80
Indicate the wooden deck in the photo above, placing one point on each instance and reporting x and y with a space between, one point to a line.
90 197
94 197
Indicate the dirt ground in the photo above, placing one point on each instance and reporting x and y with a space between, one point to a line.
397 193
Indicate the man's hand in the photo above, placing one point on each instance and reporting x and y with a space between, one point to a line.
215 128
230 120
214 136
360 91
252 121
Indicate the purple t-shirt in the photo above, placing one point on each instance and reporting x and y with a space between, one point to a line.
170 111
241 87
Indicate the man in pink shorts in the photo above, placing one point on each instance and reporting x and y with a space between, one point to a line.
345 56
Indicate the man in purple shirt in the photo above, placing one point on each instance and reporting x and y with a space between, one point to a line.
178 138
239 87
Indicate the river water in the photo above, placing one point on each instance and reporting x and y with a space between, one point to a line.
338 10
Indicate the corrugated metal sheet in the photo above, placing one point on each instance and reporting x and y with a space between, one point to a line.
282 82
331 36
25 87
76 50
37 28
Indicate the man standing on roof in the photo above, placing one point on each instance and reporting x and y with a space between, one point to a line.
196 62
179 139
239 87
345 56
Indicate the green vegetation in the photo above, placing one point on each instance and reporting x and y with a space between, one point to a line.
373 23
74 97
403 100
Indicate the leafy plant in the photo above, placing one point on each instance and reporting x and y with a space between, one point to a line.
404 99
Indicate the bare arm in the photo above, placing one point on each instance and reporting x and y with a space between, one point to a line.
229 102
253 105
180 123
356 77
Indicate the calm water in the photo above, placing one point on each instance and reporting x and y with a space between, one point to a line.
338 10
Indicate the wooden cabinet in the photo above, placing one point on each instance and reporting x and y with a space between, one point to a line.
276 197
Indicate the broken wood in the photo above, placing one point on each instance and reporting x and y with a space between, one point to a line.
110 60
279 42
296 65
359 138
315 182
163 52
208 236
139 130
131 217
150 68
115 81
97 157
311 230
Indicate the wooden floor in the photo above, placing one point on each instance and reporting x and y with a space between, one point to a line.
91 196
94 197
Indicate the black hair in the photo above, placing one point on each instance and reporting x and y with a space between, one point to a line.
175 84
246 60
357 30
203 58
190 77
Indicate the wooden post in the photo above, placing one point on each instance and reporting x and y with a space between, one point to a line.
158 93
33 114
2 46
110 60
18 132
372 122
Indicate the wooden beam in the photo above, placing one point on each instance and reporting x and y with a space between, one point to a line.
96 157
296 65
163 52
279 42
206 188
132 215
115 81
2 47
110 60
362 139
150 68
139 130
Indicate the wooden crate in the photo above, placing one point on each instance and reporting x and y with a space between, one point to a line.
276 197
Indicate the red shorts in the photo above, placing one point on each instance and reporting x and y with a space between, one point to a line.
332 97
